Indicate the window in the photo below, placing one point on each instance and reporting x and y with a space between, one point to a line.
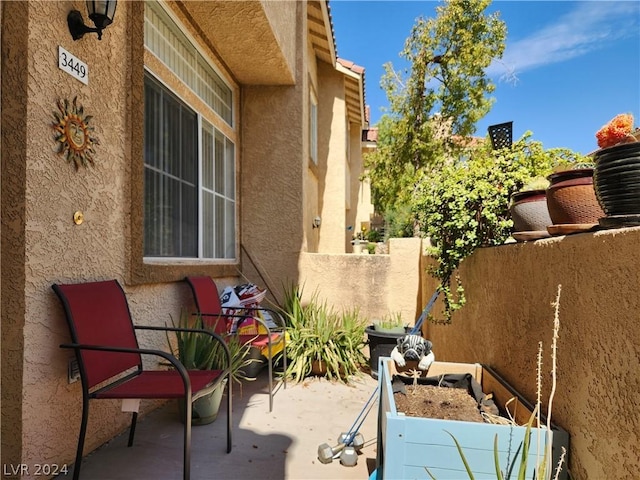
313 129
171 175
189 165
165 39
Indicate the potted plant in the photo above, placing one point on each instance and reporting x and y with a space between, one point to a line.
382 337
321 340
529 212
201 352
571 199
617 169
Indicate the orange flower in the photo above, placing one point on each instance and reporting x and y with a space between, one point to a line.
615 131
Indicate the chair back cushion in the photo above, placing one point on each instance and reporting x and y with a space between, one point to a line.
207 298
98 314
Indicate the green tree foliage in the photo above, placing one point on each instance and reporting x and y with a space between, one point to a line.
465 204
440 102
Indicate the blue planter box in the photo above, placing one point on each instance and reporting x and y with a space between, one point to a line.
406 445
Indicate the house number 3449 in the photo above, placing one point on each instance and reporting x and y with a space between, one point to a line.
73 65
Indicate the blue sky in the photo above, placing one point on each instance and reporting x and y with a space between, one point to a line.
568 67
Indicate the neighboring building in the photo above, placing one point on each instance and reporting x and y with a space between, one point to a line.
223 130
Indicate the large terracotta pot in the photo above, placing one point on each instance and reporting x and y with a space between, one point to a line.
571 198
617 184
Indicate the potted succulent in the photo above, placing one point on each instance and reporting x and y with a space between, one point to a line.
617 172
390 323
201 352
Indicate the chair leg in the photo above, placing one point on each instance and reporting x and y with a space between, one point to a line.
132 429
229 412
81 437
270 366
186 466
284 357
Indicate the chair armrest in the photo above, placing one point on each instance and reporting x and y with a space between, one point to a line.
142 351
269 330
214 335
277 316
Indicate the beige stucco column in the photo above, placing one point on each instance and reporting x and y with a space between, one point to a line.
274 146
332 153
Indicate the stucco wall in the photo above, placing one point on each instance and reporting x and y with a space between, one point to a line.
275 140
44 191
332 154
375 284
509 294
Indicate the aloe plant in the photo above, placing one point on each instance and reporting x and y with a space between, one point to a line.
197 351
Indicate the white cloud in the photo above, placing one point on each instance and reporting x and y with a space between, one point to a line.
588 27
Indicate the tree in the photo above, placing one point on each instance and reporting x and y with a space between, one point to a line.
440 102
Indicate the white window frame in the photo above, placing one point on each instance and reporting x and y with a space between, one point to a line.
313 127
220 126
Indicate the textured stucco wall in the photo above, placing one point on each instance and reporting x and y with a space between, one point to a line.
311 199
375 284
275 140
14 141
361 208
42 245
254 37
332 154
508 311
55 249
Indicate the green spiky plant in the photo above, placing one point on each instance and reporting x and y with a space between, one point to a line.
197 351
389 321
319 334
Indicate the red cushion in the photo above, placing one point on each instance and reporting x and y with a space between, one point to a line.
161 384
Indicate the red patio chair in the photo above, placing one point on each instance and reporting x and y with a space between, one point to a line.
207 299
110 360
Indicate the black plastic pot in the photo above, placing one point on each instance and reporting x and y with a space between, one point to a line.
617 184
380 345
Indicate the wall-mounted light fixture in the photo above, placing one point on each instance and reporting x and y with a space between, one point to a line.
101 12
316 222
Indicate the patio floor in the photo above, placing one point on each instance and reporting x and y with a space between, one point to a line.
282 444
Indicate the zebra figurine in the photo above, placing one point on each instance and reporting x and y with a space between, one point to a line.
415 348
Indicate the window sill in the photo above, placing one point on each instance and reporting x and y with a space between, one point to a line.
164 270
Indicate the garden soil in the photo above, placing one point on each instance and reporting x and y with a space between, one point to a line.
447 397
438 402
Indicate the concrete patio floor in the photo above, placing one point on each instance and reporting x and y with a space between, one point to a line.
282 444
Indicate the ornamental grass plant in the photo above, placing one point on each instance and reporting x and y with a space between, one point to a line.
318 334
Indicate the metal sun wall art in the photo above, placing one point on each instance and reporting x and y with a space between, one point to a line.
74 136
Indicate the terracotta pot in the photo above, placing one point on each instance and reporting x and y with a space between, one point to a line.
617 184
571 198
529 211
320 368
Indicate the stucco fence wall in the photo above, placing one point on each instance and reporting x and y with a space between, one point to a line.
510 290
376 284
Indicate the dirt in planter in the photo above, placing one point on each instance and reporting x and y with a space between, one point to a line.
438 402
